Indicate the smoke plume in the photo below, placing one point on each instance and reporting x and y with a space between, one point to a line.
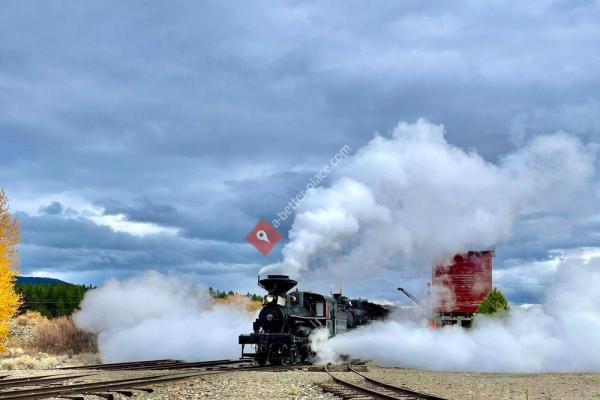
414 198
559 335
155 316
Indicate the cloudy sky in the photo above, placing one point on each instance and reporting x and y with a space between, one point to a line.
137 135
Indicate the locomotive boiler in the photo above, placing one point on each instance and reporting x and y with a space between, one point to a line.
281 331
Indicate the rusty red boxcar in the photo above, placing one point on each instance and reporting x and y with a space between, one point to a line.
459 286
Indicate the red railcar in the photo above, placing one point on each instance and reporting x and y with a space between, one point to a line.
458 288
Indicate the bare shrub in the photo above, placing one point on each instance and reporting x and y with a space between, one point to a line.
61 336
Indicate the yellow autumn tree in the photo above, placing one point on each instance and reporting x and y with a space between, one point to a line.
9 238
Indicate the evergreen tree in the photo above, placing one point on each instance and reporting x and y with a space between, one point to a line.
51 300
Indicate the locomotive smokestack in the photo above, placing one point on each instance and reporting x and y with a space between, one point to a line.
277 284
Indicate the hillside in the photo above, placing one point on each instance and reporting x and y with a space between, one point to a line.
34 280
48 296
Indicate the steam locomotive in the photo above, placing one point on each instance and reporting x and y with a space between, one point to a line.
286 320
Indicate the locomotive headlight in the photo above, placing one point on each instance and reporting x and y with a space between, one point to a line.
269 298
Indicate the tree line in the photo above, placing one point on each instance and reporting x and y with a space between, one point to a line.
56 300
218 294
51 300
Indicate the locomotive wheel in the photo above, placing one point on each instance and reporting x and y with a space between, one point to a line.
276 361
261 359
284 355
293 354
303 354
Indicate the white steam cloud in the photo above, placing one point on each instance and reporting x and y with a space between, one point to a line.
416 198
154 316
560 335
409 199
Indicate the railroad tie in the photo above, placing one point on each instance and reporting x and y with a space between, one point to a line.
126 393
343 392
144 389
104 395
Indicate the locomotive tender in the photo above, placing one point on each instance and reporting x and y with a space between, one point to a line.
284 324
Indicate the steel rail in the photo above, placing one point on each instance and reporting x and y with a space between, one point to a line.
122 364
182 365
404 393
159 364
88 388
359 388
113 385
34 380
399 389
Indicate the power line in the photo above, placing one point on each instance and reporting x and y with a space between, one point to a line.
499 282
50 302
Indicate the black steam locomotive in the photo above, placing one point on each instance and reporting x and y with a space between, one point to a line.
286 320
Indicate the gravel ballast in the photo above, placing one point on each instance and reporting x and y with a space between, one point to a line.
452 385
304 385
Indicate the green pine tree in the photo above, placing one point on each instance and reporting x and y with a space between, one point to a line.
51 300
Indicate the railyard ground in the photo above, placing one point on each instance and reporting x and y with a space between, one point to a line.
304 384
24 359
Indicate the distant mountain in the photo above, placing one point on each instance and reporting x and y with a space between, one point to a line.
34 280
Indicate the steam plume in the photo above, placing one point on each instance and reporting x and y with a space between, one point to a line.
415 198
154 316
559 335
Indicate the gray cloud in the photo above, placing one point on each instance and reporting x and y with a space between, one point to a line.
199 115
54 208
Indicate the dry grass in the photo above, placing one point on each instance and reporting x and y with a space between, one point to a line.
17 359
21 331
29 318
61 336
33 336
241 302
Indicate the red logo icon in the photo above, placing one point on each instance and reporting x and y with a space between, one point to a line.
264 237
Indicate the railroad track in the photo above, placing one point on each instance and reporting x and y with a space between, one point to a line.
36 380
124 365
75 385
43 387
372 389
161 364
